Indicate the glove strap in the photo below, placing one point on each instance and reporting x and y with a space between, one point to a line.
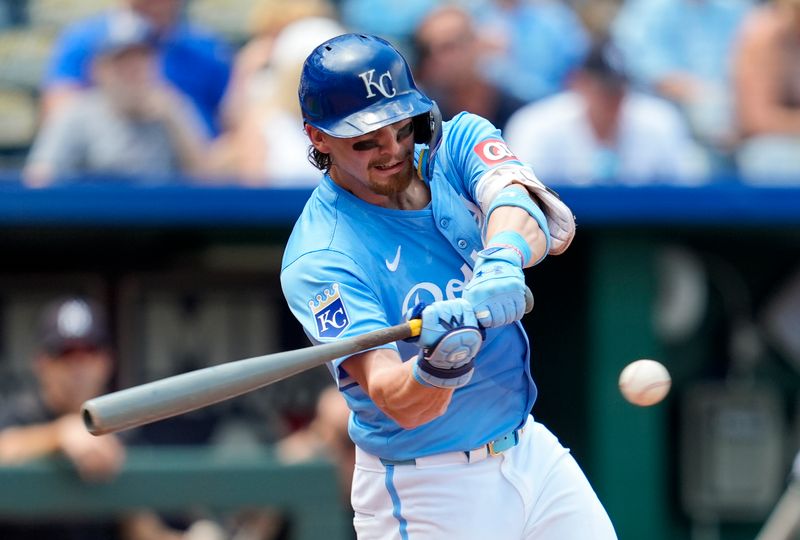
429 370
428 375
498 253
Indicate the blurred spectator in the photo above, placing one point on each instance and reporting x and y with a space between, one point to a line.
597 16
267 20
74 364
325 437
448 55
682 50
194 61
131 123
600 131
767 87
267 146
394 20
534 45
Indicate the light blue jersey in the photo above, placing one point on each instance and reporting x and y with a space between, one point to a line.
351 267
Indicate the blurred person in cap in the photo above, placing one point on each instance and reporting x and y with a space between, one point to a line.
449 56
251 64
73 363
132 123
600 131
767 91
194 60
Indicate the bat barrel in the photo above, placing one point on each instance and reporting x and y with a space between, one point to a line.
186 392
189 391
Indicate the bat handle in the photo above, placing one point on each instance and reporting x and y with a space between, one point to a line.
415 325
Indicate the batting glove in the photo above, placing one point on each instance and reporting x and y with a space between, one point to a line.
449 339
497 289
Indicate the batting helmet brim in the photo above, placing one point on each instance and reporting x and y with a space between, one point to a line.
379 115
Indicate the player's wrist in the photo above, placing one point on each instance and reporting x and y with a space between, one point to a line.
507 245
518 197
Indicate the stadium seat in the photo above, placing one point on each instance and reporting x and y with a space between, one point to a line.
227 17
18 118
55 14
23 56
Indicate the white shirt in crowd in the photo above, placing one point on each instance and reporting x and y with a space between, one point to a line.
653 143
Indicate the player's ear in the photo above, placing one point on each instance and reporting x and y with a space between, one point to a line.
318 139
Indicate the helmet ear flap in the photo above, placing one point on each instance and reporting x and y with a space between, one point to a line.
428 126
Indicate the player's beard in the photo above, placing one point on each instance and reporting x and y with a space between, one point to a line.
395 183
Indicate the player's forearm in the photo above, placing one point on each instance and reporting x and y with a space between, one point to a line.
20 444
762 118
511 218
391 385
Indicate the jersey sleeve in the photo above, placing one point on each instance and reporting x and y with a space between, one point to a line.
474 147
330 295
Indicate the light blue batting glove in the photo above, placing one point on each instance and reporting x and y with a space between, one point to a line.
497 289
449 339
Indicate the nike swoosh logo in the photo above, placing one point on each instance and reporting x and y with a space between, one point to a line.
392 266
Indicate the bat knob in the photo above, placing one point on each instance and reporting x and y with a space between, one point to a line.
89 419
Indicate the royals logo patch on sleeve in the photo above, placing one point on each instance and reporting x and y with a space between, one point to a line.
494 151
329 312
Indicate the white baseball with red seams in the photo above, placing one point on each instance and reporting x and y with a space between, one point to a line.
645 382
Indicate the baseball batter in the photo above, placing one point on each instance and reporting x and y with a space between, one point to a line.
418 218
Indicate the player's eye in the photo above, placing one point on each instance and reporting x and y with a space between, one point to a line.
405 131
363 146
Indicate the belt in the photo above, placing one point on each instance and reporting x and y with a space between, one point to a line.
490 449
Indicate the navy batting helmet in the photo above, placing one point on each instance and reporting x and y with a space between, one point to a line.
354 84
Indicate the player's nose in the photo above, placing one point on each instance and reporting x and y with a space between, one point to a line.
387 141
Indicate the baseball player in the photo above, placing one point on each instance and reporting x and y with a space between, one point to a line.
423 219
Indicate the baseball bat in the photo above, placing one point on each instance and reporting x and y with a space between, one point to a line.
784 521
193 390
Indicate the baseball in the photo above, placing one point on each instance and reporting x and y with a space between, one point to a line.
644 382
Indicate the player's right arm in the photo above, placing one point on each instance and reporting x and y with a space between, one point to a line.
391 385
334 298
415 392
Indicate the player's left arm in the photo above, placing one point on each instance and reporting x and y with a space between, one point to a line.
523 219
516 236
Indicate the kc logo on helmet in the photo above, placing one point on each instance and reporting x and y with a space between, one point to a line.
385 85
494 151
329 313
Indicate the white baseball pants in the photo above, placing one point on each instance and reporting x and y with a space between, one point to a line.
534 490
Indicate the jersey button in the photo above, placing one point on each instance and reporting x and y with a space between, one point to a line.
462 244
444 222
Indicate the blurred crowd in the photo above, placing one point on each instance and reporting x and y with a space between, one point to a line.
587 91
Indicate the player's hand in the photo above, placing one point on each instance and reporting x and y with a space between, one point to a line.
97 459
449 339
497 289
